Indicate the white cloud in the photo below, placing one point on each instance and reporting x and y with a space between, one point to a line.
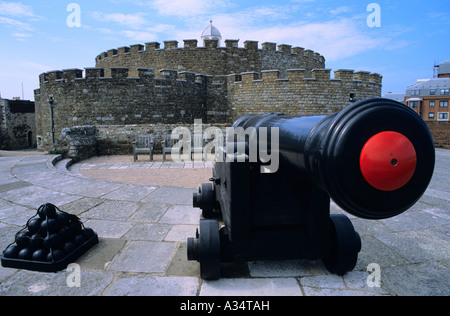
15 9
21 36
134 21
16 24
16 16
187 8
336 38
140 36
343 9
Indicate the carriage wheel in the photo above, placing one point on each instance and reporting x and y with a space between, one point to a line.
346 244
209 250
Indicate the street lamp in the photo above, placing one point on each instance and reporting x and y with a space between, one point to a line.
50 102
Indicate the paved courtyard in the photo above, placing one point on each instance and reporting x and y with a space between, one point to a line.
143 230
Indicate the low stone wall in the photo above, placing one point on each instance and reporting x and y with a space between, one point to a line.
77 143
117 139
441 133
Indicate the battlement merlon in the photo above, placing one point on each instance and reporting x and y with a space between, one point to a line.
298 75
209 44
293 75
145 75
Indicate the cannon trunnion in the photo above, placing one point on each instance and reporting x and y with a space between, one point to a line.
375 159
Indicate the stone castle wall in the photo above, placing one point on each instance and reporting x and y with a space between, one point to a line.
211 83
299 93
176 98
179 98
211 59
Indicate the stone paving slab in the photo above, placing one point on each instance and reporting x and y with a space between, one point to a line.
143 231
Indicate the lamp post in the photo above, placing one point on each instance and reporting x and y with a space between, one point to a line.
52 123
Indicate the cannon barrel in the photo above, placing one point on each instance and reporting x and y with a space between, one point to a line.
375 158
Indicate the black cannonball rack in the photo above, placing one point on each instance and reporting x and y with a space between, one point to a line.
62 242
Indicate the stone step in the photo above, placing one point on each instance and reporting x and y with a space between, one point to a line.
63 165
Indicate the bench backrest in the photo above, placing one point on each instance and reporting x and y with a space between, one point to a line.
144 141
197 141
168 141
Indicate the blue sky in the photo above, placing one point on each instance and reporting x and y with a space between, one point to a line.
413 35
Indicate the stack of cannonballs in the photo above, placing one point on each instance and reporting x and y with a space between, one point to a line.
50 241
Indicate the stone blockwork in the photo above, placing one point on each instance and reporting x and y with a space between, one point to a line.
222 84
120 100
299 94
210 59
17 124
117 139
78 142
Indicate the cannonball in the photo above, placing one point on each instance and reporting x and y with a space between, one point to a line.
23 239
34 225
76 227
39 255
11 252
63 219
88 233
47 211
53 241
36 242
50 225
66 234
79 239
25 254
69 247
55 255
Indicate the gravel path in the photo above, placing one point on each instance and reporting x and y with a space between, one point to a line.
123 169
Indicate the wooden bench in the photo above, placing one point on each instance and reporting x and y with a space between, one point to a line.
143 145
167 144
197 145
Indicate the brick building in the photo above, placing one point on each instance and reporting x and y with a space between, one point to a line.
430 97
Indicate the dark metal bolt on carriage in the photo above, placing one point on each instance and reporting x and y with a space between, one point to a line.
374 159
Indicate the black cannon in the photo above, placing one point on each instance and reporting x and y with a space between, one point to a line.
375 159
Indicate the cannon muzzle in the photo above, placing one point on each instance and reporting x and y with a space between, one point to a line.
375 158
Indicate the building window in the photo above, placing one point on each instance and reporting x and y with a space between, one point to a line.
432 91
432 104
445 91
443 104
443 116
431 115
414 104
415 92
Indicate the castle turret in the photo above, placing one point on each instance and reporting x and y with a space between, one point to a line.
211 33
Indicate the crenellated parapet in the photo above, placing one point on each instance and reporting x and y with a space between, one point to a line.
88 97
148 84
300 92
211 59
144 75
320 76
